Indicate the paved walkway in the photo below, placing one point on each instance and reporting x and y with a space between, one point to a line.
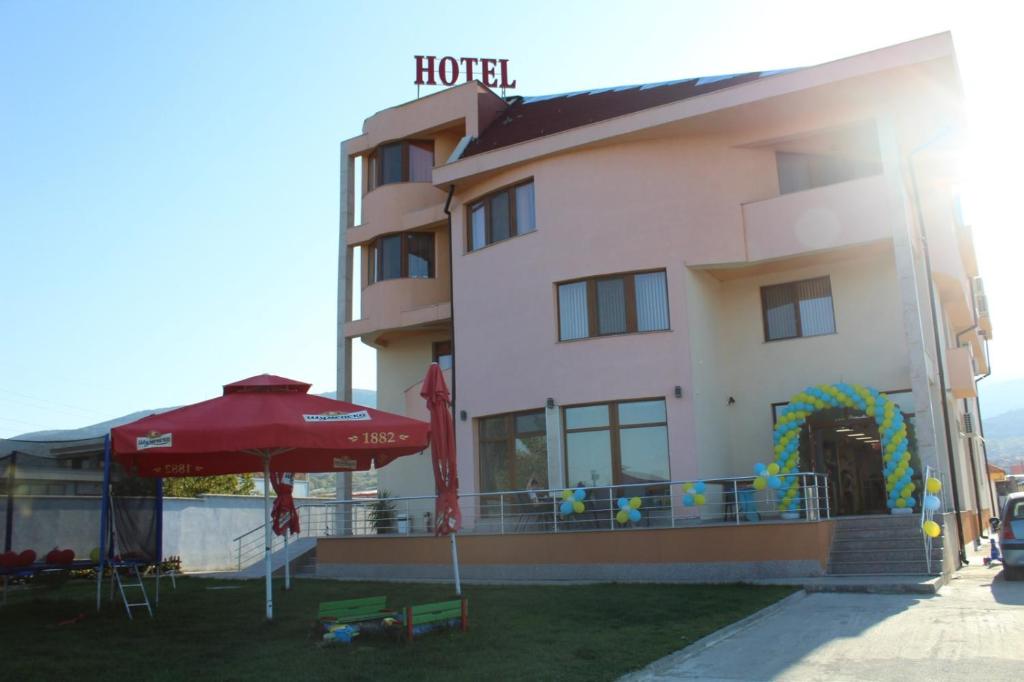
972 629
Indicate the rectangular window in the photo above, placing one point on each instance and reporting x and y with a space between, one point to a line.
616 443
401 255
442 353
513 449
797 309
500 215
633 302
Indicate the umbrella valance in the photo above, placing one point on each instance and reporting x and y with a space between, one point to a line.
261 415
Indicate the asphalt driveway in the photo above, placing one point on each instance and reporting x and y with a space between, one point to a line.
972 629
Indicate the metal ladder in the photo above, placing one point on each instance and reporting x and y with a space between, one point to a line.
121 585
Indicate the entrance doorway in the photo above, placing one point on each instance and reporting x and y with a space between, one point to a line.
845 445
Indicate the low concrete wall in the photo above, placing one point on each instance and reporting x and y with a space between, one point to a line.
199 530
720 553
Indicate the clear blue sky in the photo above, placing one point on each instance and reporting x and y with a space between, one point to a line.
169 170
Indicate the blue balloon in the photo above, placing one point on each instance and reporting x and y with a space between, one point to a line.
911 502
910 472
687 500
699 487
623 503
566 508
634 515
579 494
890 503
759 468
932 502
774 482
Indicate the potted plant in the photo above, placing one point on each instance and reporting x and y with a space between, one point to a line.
382 513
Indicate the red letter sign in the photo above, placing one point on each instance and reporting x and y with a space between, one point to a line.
431 70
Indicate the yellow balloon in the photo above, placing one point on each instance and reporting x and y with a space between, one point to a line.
577 506
698 499
773 468
760 483
635 502
622 516
934 485
931 529
566 494
901 502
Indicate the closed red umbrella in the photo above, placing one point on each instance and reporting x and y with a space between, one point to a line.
442 449
266 423
286 517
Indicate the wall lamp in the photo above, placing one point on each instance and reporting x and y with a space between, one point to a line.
462 415
679 391
731 401
550 403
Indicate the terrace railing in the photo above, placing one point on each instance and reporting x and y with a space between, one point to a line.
732 500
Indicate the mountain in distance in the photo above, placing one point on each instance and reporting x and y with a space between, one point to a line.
999 397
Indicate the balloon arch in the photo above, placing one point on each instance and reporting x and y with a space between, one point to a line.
899 487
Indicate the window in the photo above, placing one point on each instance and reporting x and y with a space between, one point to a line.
798 309
619 304
401 255
513 449
443 354
506 213
798 172
405 161
616 443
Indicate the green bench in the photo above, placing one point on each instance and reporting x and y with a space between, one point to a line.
354 610
437 613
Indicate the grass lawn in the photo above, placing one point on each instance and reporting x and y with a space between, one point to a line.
591 632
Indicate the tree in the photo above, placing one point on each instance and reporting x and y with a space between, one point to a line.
194 486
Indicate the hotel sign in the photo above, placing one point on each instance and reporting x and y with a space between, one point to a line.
448 70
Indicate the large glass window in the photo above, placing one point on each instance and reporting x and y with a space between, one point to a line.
404 161
798 309
401 255
500 215
513 449
600 306
616 443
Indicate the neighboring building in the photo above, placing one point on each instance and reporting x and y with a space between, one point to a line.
639 277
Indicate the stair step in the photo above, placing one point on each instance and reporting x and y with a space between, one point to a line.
896 531
882 567
842 556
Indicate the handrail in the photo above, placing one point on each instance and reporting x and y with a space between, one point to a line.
527 510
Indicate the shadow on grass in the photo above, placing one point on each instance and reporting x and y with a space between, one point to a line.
527 632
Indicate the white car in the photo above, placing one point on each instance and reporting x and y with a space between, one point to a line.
1011 536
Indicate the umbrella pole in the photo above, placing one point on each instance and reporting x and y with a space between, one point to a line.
287 574
266 532
455 565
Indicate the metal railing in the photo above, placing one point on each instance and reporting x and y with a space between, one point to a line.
658 504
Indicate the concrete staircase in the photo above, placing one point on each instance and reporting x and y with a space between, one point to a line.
882 545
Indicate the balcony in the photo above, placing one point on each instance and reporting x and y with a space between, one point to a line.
844 214
401 303
398 206
961 373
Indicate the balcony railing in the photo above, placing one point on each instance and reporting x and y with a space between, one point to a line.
661 504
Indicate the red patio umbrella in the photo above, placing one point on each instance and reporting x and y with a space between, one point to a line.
447 514
270 424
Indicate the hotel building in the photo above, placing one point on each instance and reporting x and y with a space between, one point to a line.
625 285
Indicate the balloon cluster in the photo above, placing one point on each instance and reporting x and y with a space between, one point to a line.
572 502
932 503
786 437
693 494
629 510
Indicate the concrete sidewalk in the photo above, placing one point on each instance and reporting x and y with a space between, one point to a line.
974 628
